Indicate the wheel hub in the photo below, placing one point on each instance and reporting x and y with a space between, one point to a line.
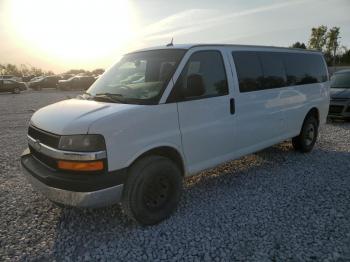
157 192
310 134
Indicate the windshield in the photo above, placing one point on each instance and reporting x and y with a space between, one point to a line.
139 77
340 80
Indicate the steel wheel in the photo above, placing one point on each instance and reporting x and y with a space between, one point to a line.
310 134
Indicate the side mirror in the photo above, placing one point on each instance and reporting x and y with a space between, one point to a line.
195 86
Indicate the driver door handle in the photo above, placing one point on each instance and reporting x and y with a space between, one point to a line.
232 106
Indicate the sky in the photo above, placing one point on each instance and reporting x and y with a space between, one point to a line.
59 35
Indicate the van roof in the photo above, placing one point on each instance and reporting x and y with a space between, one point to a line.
189 46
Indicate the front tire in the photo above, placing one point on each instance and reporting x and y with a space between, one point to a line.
153 190
306 140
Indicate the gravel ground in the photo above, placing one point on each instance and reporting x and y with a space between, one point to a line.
275 205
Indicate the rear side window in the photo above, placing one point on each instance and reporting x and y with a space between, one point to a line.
249 71
208 64
304 68
273 70
266 70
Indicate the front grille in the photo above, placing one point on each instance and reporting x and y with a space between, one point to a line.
44 137
335 109
43 158
335 99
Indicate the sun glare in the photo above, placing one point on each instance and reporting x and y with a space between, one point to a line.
73 32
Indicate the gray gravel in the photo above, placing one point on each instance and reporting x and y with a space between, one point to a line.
275 205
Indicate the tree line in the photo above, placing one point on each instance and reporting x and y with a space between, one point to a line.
327 40
24 70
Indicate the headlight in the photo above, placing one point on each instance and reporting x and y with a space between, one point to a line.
82 143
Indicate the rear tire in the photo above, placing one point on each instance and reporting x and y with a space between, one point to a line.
306 140
153 190
16 90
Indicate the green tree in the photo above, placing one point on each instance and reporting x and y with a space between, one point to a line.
318 38
332 42
299 45
344 58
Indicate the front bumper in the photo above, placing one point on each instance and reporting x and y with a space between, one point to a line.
73 189
339 109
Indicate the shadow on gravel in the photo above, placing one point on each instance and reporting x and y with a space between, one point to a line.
344 124
265 204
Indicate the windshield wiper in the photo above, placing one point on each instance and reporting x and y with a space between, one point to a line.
109 96
85 96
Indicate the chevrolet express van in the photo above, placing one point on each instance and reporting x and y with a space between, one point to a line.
164 113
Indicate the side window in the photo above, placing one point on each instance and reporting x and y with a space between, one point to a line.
209 67
304 69
249 70
273 70
317 68
294 69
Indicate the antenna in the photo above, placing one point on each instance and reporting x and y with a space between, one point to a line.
171 43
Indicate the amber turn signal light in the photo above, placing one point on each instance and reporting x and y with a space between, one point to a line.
80 166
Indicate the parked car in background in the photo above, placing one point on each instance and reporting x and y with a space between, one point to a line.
36 78
76 83
28 78
6 76
66 76
9 85
12 77
44 82
340 95
195 107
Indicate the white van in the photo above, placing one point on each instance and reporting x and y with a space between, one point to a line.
164 113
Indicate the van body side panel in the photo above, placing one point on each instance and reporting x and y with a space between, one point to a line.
266 117
300 100
260 115
138 131
207 129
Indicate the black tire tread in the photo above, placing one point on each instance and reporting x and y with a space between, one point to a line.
134 175
298 143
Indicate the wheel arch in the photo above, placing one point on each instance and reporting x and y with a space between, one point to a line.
166 151
314 112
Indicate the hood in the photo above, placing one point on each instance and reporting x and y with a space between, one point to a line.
340 93
74 116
